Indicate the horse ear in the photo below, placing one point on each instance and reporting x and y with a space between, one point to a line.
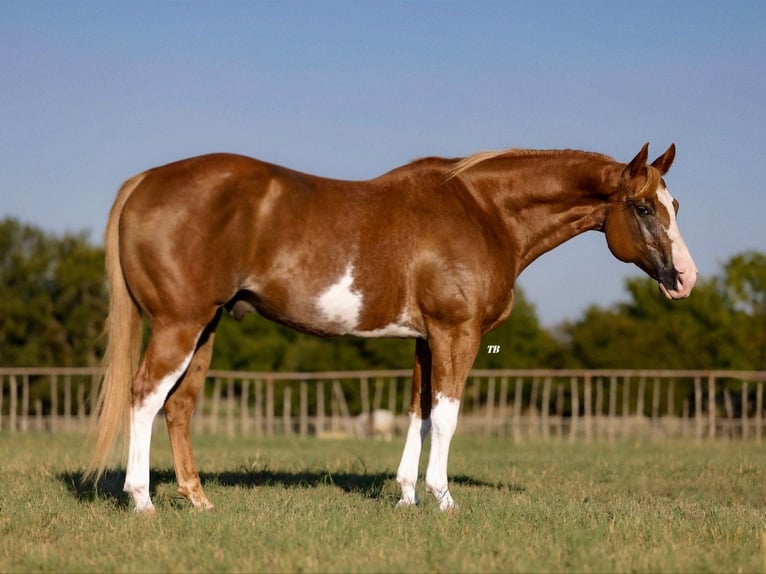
638 162
664 162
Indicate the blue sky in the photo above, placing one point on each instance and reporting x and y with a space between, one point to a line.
94 92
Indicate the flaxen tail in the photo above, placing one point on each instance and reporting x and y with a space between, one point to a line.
123 329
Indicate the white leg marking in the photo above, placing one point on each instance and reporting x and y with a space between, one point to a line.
340 305
407 475
141 419
444 421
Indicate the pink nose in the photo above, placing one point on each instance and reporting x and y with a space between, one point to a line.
686 280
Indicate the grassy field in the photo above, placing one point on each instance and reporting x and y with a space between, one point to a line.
328 506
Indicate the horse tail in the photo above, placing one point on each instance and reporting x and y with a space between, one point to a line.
124 331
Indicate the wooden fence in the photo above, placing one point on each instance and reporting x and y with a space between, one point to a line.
518 404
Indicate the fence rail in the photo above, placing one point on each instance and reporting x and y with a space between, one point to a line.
515 403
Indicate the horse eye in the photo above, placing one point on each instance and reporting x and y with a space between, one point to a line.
643 210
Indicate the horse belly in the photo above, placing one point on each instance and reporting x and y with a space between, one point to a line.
336 306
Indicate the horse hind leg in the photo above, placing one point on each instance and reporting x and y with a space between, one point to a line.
179 408
420 424
168 355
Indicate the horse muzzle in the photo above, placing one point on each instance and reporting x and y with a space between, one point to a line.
677 283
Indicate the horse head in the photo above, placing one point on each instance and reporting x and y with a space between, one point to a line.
641 225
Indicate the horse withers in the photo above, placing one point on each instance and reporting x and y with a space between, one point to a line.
430 251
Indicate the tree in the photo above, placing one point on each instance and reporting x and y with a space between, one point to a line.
745 284
52 298
716 327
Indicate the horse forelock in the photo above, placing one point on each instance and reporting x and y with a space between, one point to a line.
651 185
462 165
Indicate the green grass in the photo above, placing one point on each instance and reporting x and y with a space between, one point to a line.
328 506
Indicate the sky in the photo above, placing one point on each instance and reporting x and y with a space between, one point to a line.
93 92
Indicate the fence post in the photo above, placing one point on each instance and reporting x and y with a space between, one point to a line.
24 402
625 413
269 407
392 387
39 426
711 406
244 404
489 414
503 407
518 397
365 395
54 403
588 407
533 413
287 409
230 407
612 406
745 420
559 409
599 407
377 400
698 407
575 415
320 424
81 405
303 427
758 411
215 407
13 406
545 408
199 411
68 402
640 407
655 405
258 415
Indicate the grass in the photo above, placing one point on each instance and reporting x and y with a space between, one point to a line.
328 506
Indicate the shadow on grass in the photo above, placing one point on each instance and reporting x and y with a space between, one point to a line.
371 485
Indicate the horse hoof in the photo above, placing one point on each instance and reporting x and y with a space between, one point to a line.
407 503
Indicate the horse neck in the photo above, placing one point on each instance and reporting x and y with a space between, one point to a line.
545 200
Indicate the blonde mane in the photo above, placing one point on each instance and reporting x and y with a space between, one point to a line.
475 159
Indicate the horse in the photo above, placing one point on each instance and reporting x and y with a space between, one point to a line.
428 251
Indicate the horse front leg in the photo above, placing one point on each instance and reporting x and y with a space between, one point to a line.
454 351
420 424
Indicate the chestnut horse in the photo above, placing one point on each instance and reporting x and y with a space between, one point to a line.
429 251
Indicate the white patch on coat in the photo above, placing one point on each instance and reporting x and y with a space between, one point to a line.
340 304
141 420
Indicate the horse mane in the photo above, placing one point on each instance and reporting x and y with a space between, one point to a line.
462 165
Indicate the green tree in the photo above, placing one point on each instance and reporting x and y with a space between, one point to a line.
52 298
714 328
745 283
